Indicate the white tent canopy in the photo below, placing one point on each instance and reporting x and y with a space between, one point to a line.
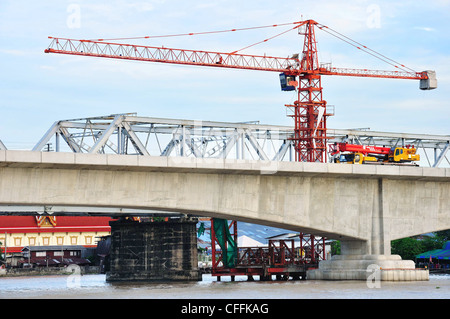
245 241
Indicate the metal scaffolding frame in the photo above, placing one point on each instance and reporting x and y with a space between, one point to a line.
135 135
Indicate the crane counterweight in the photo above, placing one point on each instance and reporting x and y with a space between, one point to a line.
430 82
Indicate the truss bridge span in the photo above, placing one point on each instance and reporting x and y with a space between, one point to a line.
129 134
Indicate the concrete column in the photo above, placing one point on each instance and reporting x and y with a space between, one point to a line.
380 243
354 247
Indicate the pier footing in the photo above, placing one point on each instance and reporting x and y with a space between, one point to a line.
367 267
154 251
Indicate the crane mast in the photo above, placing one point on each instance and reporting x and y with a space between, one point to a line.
309 111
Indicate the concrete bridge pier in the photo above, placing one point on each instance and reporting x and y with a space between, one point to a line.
370 259
355 263
154 251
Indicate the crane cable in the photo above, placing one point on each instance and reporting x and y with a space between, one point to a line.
197 33
364 48
277 35
297 24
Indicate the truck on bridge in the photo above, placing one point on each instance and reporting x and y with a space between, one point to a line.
363 154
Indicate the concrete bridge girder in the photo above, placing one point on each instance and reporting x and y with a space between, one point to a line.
371 204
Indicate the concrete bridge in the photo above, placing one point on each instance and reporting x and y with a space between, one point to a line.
364 206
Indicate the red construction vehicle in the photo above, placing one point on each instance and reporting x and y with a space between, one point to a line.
367 154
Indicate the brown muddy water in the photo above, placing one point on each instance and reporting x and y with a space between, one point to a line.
96 287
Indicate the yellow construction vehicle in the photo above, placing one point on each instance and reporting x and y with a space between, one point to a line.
362 154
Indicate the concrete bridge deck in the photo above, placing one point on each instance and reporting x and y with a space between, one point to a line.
326 199
364 206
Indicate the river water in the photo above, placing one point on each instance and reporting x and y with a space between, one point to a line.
96 287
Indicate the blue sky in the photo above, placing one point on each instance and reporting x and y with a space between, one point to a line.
38 89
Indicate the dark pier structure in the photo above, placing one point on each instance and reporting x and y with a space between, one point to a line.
154 250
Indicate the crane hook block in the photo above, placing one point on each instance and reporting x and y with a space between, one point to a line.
430 82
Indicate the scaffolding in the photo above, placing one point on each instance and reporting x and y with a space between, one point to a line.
280 258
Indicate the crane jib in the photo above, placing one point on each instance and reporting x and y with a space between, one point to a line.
289 66
170 55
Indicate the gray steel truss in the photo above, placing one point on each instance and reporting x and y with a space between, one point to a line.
2 146
131 134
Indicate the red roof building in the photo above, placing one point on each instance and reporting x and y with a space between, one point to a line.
17 232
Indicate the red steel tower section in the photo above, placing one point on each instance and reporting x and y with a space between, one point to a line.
309 111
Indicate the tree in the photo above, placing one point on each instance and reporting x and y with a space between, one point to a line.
444 235
431 243
335 247
407 248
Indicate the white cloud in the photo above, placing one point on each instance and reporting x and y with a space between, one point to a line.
427 29
14 52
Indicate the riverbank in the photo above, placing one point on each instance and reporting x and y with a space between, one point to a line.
49 271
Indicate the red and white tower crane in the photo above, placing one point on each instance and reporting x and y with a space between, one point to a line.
301 72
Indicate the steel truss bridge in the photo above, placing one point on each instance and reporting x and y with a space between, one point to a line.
130 134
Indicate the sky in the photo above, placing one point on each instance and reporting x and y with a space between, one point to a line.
38 89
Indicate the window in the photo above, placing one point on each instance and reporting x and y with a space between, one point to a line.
46 241
60 240
32 241
41 254
17 241
73 240
88 240
58 253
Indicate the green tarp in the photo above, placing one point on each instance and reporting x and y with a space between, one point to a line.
443 253
201 229
226 242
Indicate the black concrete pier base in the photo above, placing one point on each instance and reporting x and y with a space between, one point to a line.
154 251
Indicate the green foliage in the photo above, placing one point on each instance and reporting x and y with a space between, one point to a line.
407 248
92 259
444 235
431 243
335 247
201 229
